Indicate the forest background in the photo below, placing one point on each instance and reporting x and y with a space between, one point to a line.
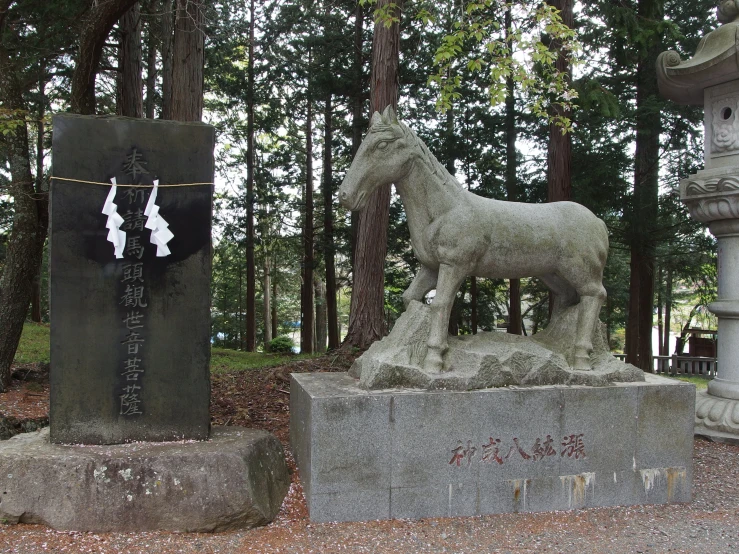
490 86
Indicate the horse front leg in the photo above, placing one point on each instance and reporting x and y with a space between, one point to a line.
449 281
424 281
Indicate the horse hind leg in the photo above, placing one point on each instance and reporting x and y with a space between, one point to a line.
589 298
591 301
564 294
424 281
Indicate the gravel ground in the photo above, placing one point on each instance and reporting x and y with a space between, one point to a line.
710 524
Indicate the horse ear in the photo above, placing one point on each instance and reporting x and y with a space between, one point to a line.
389 115
376 118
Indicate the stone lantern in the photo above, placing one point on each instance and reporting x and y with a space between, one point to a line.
711 78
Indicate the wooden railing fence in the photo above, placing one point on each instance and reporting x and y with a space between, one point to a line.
682 365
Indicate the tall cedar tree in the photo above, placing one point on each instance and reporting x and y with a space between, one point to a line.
328 325
366 321
187 66
514 300
30 218
306 290
130 93
152 40
332 315
559 150
357 101
168 12
646 190
96 26
251 315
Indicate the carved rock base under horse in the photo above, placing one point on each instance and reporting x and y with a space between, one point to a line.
488 359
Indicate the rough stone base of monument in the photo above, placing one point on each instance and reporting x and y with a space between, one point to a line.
237 479
716 419
486 359
388 454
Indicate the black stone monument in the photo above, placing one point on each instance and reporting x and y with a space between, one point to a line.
130 336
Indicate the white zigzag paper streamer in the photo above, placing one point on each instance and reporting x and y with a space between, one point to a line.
115 235
160 233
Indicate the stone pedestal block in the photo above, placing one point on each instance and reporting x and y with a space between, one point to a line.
237 479
406 453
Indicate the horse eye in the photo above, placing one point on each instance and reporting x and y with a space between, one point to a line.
382 145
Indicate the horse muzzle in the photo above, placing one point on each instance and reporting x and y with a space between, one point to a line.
352 202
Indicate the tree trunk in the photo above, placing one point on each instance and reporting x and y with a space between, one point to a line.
167 53
450 162
455 316
473 279
251 316
30 221
321 315
240 310
631 343
680 346
514 298
274 306
41 185
131 99
187 65
559 151
646 192
660 327
668 312
267 301
96 26
366 322
609 312
357 106
332 313
307 324
473 302
151 60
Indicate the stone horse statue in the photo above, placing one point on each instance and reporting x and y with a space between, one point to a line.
455 234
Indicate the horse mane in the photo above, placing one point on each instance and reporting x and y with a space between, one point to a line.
430 160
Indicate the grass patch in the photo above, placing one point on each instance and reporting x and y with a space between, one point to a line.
34 348
699 381
34 345
230 361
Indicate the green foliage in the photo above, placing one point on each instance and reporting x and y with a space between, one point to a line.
389 13
10 120
282 344
522 52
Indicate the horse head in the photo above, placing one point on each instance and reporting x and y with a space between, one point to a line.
381 159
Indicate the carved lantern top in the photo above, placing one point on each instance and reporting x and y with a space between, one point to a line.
715 62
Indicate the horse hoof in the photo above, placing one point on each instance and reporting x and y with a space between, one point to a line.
433 362
582 363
